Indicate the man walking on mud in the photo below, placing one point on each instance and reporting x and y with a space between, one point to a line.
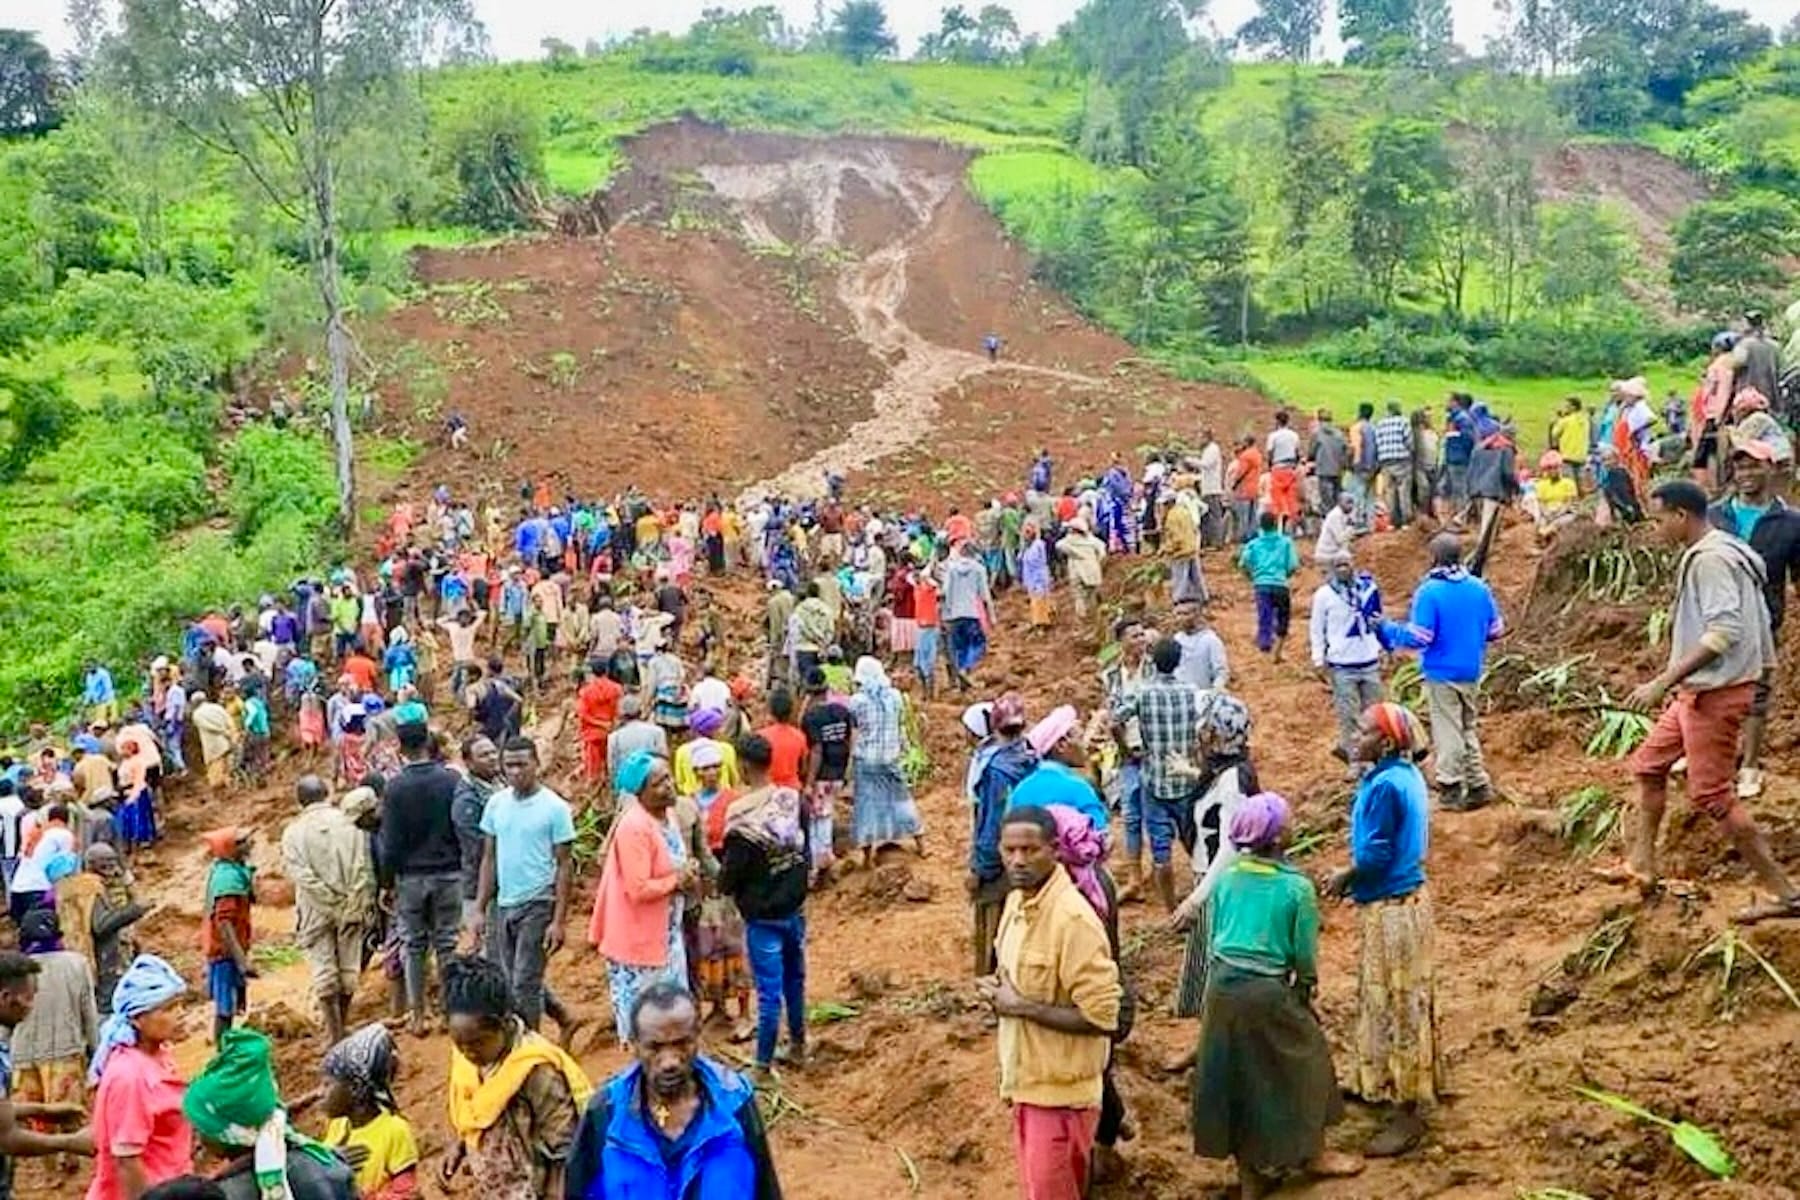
1720 643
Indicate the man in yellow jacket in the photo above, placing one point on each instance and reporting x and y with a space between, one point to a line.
1057 995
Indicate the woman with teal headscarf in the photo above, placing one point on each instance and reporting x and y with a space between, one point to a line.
645 877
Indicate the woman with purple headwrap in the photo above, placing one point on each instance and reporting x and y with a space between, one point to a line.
1264 1089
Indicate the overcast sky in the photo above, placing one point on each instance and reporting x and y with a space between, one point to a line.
515 27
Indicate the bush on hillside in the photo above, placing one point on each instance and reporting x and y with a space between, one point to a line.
184 338
278 473
35 414
494 152
1613 340
117 470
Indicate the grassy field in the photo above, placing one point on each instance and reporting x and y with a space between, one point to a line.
589 105
1531 403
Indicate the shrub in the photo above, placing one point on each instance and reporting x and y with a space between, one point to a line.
278 473
35 414
495 154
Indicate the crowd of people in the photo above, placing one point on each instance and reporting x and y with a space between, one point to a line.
722 769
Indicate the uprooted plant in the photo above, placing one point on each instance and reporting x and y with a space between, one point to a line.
1603 944
1588 818
1618 733
1724 950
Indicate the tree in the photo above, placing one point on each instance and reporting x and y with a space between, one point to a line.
28 84
1509 126
1286 28
285 87
1729 253
495 153
996 34
859 31
1396 200
1141 52
1584 254
35 414
1537 34
1660 48
1381 33
1315 178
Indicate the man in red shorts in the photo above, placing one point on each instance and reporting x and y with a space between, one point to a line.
1720 645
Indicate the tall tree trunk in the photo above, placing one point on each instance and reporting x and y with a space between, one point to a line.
337 335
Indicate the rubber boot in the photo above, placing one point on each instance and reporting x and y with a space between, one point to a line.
1131 882
1163 878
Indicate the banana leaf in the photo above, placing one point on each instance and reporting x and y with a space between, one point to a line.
1690 1139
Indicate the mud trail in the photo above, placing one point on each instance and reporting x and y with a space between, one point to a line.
873 289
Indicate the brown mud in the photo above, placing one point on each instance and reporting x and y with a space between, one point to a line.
717 374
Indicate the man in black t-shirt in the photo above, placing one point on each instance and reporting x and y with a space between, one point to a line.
829 731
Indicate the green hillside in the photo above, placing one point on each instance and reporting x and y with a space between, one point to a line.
1325 232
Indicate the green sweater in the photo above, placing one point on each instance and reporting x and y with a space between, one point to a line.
1265 919
1269 558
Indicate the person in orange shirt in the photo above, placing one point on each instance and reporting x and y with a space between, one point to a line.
596 711
1245 479
787 742
363 670
712 539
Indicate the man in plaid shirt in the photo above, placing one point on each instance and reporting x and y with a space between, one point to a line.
1394 450
1168 714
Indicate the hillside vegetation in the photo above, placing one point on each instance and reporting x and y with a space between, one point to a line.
169 260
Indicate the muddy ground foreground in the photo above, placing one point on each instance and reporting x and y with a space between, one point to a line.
765 308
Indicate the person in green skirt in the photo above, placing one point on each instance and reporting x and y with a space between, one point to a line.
1264 1089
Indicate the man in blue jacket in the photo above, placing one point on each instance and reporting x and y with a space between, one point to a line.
1000 762
675 1125
1454 616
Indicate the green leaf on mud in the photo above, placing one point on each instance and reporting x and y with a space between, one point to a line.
1692 1140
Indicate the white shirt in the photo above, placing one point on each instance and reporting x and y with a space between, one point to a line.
1284 448
30 876
1202 660
12 809
1212 470
1336 535
710 693
1332 625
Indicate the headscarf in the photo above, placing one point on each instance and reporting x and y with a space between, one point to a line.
706 753
147 984
706 721
1259 821
226 876
1398 728
1079 847
234 1102
871 676
1225 722
634 772
359 802
768 816
365 1061
1047 733
978 719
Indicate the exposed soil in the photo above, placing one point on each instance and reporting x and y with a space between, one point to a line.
1651 190
906 274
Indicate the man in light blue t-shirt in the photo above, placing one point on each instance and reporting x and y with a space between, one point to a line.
527 832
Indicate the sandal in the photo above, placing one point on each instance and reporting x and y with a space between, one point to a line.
1774 910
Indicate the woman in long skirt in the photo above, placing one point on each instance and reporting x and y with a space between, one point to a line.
1395 1056
1264 1090
883 809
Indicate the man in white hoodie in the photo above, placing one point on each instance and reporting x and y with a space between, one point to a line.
1346 652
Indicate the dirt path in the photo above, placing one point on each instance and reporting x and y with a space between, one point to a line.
873 289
